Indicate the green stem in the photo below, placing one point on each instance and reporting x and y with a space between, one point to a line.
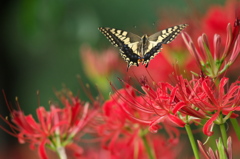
224 134
223 130
59 148
61 153
192 141
148 148
236 127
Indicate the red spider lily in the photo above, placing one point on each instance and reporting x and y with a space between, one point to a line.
115 125
162 103
54 129
189 96
214 63
122 134
218 101
135 149
153 108
210 100
103 64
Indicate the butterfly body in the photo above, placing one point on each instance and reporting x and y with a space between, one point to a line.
135 49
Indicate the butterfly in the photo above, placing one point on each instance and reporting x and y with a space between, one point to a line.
135 49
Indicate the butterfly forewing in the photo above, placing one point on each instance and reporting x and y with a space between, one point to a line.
115 36
167 35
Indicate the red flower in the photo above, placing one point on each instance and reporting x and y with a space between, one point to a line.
103 64
220 101
55 129
218 17
215 62
155 107
135 149
189 96
122 134
162 104
115 124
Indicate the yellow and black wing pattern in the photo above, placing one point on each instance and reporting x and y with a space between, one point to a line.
135 49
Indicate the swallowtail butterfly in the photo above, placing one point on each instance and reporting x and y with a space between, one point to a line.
135 49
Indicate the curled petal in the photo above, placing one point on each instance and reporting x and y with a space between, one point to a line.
221 87
131 117
154 128
207 127
178 106
209 93
41 150
156 121
176 120
194 113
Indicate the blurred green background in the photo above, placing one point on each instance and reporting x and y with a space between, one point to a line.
40 40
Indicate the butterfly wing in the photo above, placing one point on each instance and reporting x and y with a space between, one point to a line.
168 35
162 37
127 43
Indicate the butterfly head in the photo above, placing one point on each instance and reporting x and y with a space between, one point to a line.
144 39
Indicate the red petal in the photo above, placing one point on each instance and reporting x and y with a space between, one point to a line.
221 88
178 106
208 124
176 120
209 93
41 150
78 151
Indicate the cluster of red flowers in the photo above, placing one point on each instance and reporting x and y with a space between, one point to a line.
186 102
123 124
54 129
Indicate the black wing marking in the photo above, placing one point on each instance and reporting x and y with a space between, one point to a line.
124 36
127 43
163 37
168 35
152 53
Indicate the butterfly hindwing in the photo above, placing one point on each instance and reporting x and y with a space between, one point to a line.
129 56
152 53
162 37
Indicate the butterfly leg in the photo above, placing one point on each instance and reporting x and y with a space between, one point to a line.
146 65
128 66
